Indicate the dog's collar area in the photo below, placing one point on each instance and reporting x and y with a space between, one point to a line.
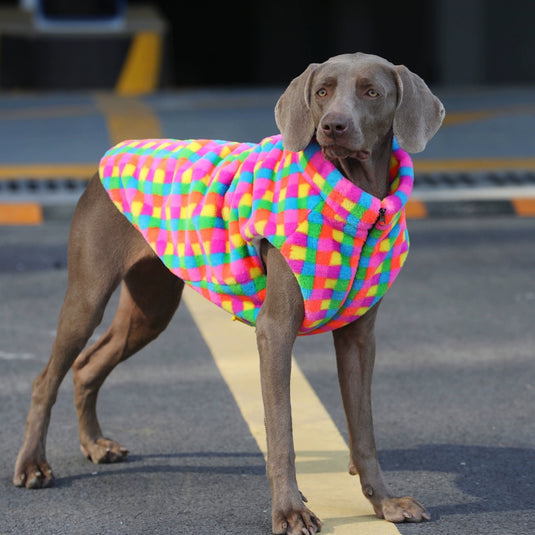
350 202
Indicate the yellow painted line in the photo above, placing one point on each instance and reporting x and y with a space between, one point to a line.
142 66
467 117
475 164
44 171
134 120
524 207
460 117
322 454
415 209
20 214
128 118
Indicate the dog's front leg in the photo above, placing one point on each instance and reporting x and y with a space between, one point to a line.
355 356
277 326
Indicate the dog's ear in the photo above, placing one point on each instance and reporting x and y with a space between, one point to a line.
292 112
419 113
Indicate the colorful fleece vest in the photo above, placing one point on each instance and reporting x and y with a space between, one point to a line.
205 205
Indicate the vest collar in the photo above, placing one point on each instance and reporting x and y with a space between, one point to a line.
353 204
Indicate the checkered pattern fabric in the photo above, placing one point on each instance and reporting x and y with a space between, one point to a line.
205 205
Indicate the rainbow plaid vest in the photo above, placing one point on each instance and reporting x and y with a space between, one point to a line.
205 205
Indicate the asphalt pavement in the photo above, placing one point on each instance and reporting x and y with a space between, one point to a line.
454 399
454 388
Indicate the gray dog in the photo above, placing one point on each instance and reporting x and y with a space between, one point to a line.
343 124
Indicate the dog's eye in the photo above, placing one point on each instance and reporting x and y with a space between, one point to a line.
372 93
321 92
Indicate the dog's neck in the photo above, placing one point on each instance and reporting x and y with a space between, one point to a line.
373 174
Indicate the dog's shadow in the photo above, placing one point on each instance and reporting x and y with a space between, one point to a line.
497 479
237 463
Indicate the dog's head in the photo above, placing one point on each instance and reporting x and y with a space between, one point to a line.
351 102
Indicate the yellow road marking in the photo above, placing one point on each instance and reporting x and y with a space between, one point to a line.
474 164
44 171
524 207
20 214
460 117
415 209
467 117
133 120
322 454
128 118
142 65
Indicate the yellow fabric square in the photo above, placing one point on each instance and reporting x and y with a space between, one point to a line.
159 175
330 284
248 305
143 172
260 227
303 190
225 151
230 281
129 169
348 205
255 272
372 291
247 200
209 210
325 304
318 180
298 252
338 235
268 196
288 159
236 240
385 246
137 206
336 259
186 176
226 304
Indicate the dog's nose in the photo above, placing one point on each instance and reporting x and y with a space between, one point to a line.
334 124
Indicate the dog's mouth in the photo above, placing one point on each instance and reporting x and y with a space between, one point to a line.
339 152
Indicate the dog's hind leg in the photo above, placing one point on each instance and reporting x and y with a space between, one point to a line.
149 297
102 248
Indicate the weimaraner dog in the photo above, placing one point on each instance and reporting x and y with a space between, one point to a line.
352 106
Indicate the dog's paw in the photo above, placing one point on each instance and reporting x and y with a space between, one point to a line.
103 450
405 509
296 521
33 475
